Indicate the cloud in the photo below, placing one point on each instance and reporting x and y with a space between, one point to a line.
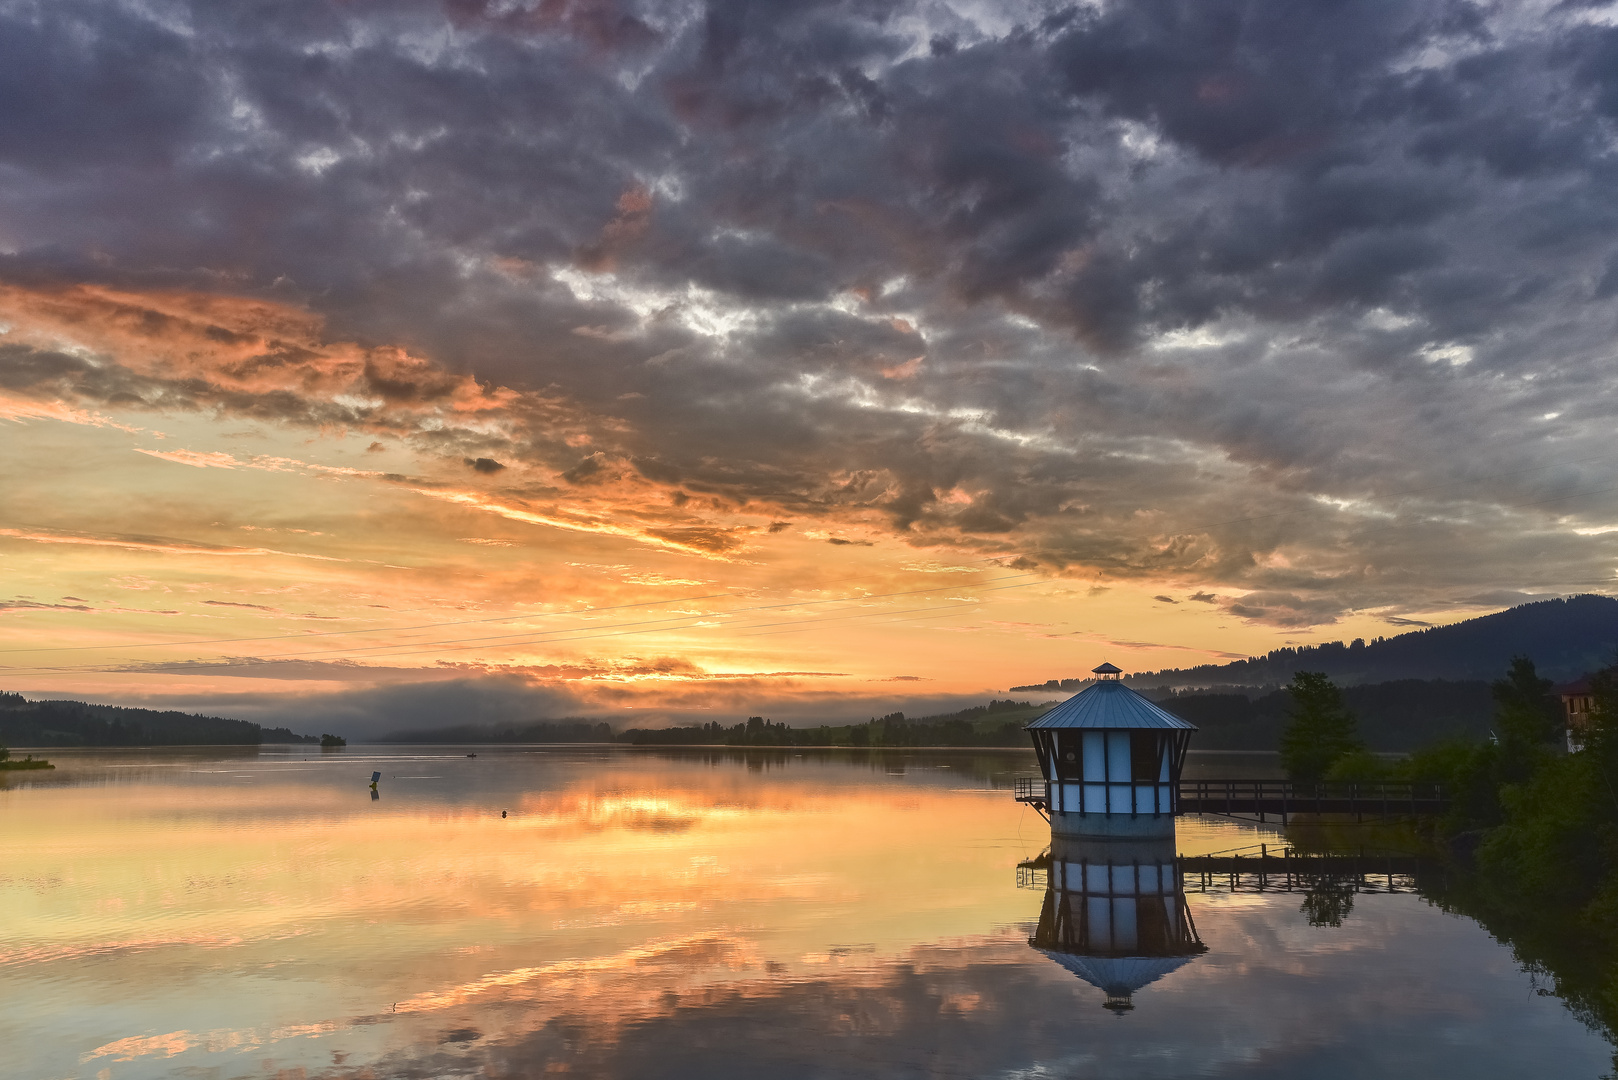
7 606
206 460
487 466
163 545
1165 599
1290 305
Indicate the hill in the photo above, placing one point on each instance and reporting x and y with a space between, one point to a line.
999 723
77 723
1392 716
1564 638
537 731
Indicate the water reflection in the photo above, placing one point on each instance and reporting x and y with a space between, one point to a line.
1115 914
655 915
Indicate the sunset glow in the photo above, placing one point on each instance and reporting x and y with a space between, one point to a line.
622 372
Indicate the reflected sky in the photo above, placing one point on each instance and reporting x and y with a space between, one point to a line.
701 914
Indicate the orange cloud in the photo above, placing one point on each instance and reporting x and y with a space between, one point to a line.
210 460
157 544
18 409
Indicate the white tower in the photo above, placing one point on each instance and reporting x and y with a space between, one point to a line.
1111 761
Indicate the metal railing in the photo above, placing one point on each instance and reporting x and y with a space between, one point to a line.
1029 789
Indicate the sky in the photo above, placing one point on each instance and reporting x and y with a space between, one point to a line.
397 364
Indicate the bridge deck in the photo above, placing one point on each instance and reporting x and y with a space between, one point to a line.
1285 798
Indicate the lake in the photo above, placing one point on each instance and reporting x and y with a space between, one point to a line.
222 913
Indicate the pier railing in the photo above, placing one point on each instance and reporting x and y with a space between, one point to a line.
1294 871
1030 789
1261 868
1284 798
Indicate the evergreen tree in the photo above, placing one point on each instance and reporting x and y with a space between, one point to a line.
1524 708
1320 728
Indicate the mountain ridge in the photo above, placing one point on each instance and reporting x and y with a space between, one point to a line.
1565 637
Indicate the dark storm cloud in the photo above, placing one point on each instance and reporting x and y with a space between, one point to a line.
1294 300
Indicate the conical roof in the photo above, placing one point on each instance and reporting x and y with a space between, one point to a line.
1119 976
1110 704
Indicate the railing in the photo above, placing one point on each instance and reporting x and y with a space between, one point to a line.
1261 868
1288 797
1293 871
1030 789
1285 798
1030 876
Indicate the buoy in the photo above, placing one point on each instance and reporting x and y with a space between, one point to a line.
502 813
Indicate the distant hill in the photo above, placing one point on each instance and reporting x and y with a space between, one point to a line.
536 731
77 723
1564 638
999 723
1392 716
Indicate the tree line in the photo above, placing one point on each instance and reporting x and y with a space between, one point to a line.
1532 828
999 723
78 723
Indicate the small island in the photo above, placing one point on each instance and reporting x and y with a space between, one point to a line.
29 762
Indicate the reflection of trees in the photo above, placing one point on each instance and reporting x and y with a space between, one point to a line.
1562 954
1328 901
998 767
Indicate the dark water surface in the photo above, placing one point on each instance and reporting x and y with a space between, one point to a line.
221 913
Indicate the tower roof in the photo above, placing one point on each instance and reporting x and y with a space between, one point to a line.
1119 976
1110 704
1106 669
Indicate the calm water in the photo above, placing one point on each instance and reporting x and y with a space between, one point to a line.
207 913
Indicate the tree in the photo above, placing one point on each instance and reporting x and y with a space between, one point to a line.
1524 708
1320 729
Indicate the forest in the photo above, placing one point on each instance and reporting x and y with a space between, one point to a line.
77 723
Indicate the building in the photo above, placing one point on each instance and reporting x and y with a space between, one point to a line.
1578 701
1110 760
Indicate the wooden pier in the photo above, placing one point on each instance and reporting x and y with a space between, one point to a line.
1282 799
1263 800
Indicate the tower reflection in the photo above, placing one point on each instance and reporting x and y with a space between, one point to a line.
1115 914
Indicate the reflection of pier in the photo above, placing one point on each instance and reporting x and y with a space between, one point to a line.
1293 871
1114 914
1284 871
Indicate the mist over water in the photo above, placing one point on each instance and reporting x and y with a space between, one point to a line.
257 913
